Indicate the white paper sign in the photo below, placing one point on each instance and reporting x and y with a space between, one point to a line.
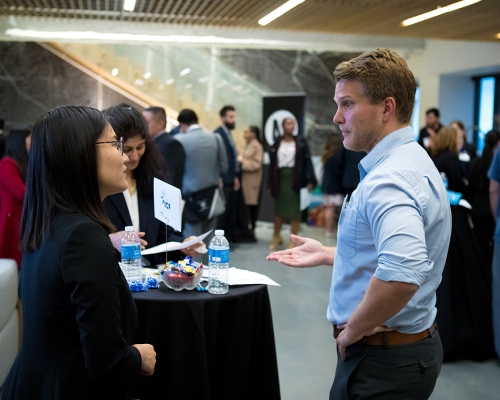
167 204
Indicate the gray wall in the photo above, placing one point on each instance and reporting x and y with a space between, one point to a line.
456 101
33 81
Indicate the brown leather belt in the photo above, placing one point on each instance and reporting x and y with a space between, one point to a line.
392 338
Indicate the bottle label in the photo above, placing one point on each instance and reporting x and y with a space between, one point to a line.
218 256
131 251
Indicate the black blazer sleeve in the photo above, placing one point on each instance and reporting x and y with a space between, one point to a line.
102 301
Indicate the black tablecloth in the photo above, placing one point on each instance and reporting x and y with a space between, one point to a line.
209 346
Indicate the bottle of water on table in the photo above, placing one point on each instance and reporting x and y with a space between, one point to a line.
131 256
218 262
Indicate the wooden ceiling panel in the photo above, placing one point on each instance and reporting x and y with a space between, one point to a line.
480 21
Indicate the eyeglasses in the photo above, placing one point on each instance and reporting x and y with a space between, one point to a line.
118 143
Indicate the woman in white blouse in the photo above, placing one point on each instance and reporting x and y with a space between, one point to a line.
290 170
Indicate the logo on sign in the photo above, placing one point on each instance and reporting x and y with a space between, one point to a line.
273 127
164 200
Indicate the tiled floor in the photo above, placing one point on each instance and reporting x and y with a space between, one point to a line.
305 347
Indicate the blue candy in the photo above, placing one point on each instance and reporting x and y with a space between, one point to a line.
152 283
137 286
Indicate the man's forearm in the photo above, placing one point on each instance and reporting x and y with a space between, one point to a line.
382 301
329 255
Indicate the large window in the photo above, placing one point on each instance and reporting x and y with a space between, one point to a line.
415 114
487 105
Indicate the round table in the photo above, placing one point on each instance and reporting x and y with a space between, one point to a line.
208 346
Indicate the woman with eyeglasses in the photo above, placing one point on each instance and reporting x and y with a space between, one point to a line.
135 206
79 317
12 187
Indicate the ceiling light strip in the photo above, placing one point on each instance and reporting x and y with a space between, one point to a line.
438 11
279 11
129 5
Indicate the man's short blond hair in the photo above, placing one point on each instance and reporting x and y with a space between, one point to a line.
382 73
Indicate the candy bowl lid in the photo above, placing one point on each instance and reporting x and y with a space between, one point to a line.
178 277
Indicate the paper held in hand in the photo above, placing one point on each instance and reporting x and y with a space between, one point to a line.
171 246
167 200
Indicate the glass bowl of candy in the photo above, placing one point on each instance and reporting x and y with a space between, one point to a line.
184 274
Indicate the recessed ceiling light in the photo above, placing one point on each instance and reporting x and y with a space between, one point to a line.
170 81
114 72
147 75
279 11
129 5
438 11
185 71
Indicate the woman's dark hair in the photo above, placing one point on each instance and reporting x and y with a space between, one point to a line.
128 122
481 167
62 172
333 144
16 149
256 131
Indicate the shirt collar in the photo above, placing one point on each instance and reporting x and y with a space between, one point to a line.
192 127
382 148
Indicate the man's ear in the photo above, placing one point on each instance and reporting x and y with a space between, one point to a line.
389 109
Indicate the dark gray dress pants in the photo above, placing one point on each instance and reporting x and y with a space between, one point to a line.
406 372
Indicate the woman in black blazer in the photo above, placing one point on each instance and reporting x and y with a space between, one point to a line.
79 317
135 206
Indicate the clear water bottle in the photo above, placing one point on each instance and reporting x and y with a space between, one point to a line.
218 262
445 179
131 256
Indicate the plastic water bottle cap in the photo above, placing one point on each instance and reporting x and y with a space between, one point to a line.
219 232
129 229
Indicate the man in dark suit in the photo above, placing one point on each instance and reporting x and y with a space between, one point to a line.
171 150
432 126
229 178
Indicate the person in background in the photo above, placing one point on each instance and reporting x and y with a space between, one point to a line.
79 317
444 152
290 170
170 149
251 172
494 175
432 126
135 206
467 152
12 177
205 162
331 185
392 239
230 178
175 130
464 283
350 177
478 193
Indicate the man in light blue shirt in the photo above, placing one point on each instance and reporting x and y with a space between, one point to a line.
393 238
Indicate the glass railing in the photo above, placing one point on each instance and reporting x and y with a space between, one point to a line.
183 77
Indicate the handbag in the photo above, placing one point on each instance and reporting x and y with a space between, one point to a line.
204 204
